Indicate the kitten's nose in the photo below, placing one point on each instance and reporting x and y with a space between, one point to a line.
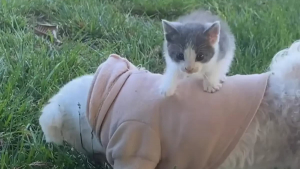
189 69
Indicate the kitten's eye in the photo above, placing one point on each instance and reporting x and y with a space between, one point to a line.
200 57
180 56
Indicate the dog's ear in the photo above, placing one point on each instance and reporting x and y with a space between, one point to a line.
52 128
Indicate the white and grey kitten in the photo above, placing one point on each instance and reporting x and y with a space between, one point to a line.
198 44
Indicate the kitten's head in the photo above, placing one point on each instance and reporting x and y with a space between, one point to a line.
191 45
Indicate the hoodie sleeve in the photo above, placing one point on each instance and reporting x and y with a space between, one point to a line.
134 145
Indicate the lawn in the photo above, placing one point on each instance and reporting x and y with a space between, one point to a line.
33 68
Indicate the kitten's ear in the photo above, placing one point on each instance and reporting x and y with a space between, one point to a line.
213 32
169 27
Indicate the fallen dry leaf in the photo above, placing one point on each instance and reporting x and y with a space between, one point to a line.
47 30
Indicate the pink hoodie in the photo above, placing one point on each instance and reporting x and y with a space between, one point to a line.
140 129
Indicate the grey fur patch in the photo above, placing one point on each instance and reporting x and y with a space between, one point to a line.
189 31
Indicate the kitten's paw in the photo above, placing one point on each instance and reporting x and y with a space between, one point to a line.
223 79
211 88
166 91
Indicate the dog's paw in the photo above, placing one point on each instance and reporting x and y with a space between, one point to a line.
211 87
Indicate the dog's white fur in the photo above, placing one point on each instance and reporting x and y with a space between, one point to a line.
272 139
60 117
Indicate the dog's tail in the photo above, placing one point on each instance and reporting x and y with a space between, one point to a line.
286 63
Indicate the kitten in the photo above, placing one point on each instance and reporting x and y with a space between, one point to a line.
199 44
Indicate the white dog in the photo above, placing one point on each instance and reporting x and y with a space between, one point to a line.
272 139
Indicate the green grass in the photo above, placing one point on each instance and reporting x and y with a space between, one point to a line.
32 68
